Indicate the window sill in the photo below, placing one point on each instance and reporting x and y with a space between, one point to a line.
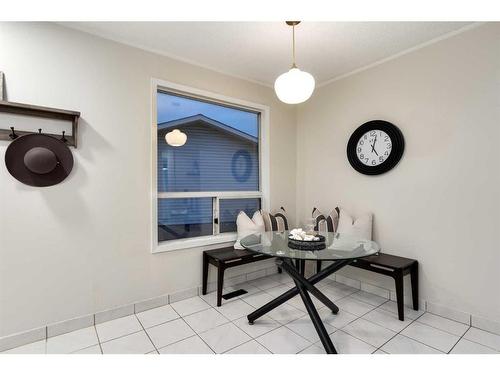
189 243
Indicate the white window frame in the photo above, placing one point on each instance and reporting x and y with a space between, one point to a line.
263 194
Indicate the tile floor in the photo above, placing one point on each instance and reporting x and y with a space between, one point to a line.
365 324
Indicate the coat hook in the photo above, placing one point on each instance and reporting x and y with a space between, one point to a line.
40 131
13 134
64 139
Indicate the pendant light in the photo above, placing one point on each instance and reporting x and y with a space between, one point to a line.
176 138
294 86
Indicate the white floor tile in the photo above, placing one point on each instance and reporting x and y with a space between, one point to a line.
95 349
285 313
431 336
347 344
484 338
392 306
204 320
259 327
468 347
168 333
113 329
353 306
37 347
369 332
297 303
72 341
387 319
339 320
136 343
404 345
284 278
342 288
305 328
235 309
157 316
283 341
264 283
369 298
333 293
225 337
251 347
190 306
447 325
314 349
191 345
258 299
210 298
278 290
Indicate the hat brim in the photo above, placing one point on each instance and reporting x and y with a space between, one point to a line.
14 160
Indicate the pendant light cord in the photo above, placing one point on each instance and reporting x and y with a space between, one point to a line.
293 46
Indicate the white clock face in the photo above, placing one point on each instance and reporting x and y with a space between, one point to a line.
374 147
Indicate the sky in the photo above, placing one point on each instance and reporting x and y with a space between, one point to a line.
171 107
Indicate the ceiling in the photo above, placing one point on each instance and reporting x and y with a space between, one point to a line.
260 51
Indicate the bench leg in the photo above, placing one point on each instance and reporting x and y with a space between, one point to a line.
280 270
205 274
398 277
302 267
220 283
318 265
414 285
297 265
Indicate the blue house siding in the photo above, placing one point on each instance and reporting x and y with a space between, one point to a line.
211 160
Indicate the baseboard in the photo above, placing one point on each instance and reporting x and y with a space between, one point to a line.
73 324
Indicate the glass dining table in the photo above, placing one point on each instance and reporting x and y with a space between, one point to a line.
340 249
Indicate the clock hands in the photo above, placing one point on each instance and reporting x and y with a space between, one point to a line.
373 146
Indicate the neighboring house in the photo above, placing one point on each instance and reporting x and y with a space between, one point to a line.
216 157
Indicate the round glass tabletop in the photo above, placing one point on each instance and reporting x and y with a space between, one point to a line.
338 246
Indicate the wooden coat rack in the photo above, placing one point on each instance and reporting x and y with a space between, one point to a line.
44 112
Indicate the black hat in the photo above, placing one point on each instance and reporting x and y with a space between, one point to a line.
38 160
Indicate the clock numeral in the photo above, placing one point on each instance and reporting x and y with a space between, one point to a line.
366 160
362 156
359 150
365 136
386 139
361 143
381 159
389 146
374 162
386 153
373 133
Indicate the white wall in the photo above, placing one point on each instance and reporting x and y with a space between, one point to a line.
441 204
84 246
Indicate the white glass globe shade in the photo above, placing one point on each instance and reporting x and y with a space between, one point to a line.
176 138
294 86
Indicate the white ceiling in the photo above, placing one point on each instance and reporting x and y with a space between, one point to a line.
260 51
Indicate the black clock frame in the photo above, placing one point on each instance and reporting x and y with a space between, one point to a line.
397 142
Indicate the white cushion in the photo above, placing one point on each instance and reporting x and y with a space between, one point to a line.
246 226
359 227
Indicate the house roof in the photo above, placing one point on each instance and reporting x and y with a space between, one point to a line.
206 121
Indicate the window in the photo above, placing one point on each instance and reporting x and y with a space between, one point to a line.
204 184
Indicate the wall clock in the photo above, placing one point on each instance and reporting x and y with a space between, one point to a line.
375 147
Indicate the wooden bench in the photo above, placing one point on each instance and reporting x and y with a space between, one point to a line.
396 267
223 259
